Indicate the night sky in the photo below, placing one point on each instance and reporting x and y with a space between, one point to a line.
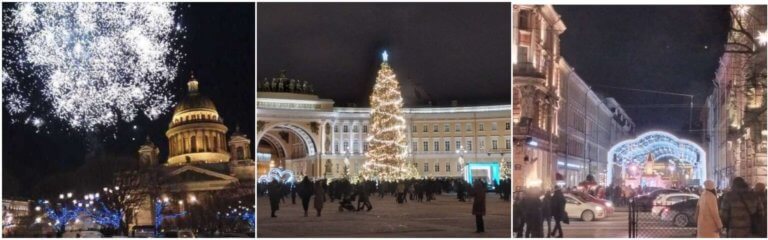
443 51
220 49
665 48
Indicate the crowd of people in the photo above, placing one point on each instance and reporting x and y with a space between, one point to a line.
346 193
738 211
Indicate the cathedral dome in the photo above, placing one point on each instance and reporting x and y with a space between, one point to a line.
194 100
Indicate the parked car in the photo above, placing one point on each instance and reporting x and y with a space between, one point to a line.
82 234
681 214
143 231
645 202
666 200
185 233
585 210
608 205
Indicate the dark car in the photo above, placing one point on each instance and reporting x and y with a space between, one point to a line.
681 214
645 201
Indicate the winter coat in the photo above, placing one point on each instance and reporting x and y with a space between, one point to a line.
557 206
319 198
275 191
708 220
546 208
306 189
735 213
478 206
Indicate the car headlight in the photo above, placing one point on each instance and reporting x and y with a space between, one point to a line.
608 204
599 208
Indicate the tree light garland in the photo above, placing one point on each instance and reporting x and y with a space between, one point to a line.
387 152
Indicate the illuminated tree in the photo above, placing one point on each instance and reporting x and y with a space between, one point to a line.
387 148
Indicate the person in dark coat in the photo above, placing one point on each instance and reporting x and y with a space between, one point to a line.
275 194
306 190
478 206
319 196
557 210
736 208
546 213
761 196
517 213
293 193
532 211
362 197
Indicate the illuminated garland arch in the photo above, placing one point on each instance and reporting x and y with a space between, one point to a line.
661 144
281 175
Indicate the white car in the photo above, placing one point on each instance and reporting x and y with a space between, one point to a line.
586 211
665 200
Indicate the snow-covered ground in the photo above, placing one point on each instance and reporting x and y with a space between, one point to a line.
444 217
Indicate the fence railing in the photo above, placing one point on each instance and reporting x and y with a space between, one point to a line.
659 223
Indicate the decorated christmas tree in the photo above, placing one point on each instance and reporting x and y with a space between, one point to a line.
387 147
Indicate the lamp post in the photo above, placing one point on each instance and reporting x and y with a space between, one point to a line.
461 151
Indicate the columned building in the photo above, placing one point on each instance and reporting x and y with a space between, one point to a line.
735 116
302 134
536 93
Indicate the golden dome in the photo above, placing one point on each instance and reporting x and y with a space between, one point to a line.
194 100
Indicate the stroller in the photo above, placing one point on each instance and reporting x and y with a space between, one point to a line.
346 203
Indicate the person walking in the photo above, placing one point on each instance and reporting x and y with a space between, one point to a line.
319 196
738 208
478 206
293 194
532 211
362 197
708 222
546 212
306 190
275 195
518 221
761 198
557 209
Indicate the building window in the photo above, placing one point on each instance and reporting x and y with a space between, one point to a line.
495 144
523 22
482 144
506 126
336 147
447 128
493 126
426 146
426 167
469 127
480 127
365 146
413 128
458 127
458 145
355 146
414 145
335 128
522 54
354 128
240 153
447 146
365 128
425 128
437 167
469 145
507 144
437 146
346 145
448 167
346 129
434 128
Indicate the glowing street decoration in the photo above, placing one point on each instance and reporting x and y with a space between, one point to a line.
492 168
93 63
633 152
279 174
387 151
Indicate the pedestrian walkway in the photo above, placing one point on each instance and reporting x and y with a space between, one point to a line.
443 217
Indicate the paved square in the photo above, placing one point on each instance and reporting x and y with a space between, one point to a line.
444 217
